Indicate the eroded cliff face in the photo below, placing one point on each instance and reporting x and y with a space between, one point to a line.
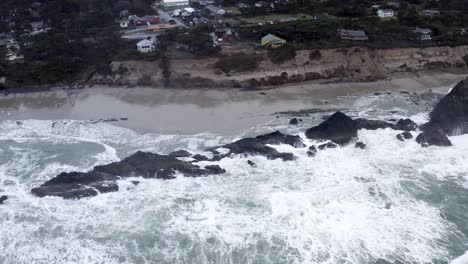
345 64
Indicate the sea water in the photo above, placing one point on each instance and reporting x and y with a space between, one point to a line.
392 202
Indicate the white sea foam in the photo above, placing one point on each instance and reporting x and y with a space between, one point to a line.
345 205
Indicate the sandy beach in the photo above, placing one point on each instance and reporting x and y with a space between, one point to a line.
193 111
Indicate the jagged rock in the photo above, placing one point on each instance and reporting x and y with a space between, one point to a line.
294 121
360 145
327 145
180 154
103 178
277 138
450 116
3 198
254 146
338 128
199 157
362 123
433 137
406 125
215 169
312 151
403 136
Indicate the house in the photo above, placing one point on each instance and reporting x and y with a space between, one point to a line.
430 13
272 41
146 46
423 33
216 10
352 34
175 3
385 13
203 2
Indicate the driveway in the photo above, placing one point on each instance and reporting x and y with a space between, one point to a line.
164 15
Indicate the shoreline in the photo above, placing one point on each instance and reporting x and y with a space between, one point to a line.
448 74
220 111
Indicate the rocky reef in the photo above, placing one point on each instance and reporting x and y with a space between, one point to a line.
449 118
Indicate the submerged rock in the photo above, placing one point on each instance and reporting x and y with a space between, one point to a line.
251 163
180 154
103 179
338 128
327 146
3 198
360 145
403 136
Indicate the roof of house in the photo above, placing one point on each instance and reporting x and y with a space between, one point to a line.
386 10
422 30
272 38
174 1
353 33
144 42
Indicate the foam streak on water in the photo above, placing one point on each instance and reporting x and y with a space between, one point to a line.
393 201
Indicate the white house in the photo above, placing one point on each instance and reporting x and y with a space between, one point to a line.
146 46
385 13
423 33
175 3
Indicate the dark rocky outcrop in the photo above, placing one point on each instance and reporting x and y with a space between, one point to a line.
199 157
362 123
312 151
341 129
403 136
338 128
433 137
277 138
294 121
258 146
360 145
251 163
449 118
102 179
3 198
180 154
406 125
253 146
327 146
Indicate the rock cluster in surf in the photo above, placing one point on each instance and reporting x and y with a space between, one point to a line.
450 117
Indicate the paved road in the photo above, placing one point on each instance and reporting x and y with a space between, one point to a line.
164 15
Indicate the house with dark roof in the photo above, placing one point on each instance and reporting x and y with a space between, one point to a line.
346 34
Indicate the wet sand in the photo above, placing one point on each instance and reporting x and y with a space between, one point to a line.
193 111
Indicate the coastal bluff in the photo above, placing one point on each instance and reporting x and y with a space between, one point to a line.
340 64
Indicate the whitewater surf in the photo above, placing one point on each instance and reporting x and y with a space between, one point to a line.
391 202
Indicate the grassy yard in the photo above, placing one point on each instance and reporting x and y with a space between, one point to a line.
275 17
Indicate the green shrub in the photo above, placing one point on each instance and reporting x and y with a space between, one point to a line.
283 54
